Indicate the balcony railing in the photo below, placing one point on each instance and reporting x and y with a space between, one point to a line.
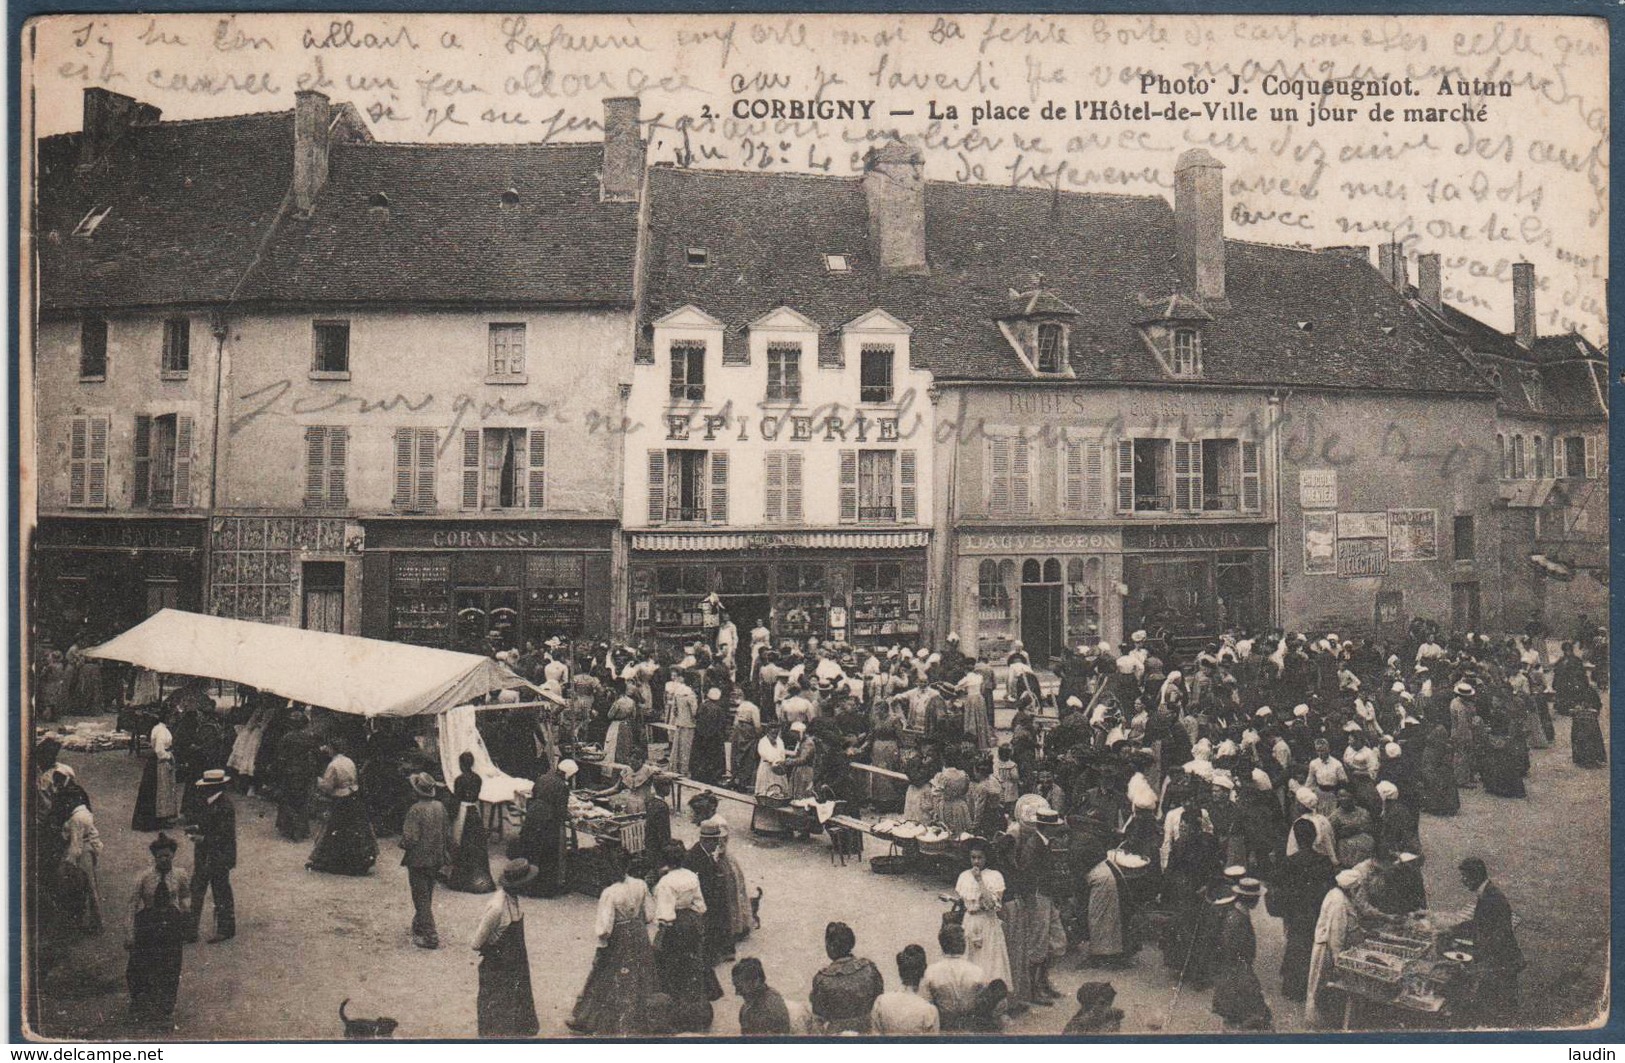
874 393
877 514
784 393
1223 500
1153 503
685 513
688 392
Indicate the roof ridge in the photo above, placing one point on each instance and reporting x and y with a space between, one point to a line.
1287 247
673 168
164 123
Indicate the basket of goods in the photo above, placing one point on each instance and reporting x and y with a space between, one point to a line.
935 840
1377 973
1399 944
884 828
774 797
907 831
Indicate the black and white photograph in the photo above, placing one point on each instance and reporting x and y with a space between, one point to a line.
983 526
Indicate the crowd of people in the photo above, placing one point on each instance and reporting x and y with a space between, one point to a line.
1159 795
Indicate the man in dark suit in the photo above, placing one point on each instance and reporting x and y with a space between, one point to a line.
704 860
1490 929
214 855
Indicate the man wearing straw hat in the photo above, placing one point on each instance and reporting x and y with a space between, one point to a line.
1237 997
214 855
423 836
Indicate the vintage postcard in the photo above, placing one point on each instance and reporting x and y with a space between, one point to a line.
804 525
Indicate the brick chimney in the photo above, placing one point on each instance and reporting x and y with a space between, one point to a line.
108 116
624 151
1429 282
312 135
1391 264
1523 303
894 188
1199 224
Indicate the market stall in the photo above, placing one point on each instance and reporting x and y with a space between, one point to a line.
1411 968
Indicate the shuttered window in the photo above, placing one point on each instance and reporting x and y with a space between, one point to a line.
784 372
1187 474
503 468
1082 476
327 451
1009 475
849 487
87 462
1593 466
1252 490
507 352
719 487
1125 476
414 469
908 496
657 486
141 474
161 477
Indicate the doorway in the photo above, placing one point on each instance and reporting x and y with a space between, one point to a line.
487 619
746 611
323 583
1041 630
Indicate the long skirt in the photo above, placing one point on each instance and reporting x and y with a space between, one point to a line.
739 896
541 841
622 979
470 870
156 802
985 945
153 972
79 893
506 1006
978 722
1238 998
1585 736
1439 794
1533 732
346 845
1300 942
684 974
1018 917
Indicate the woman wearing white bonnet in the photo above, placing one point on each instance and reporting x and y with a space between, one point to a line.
1332 933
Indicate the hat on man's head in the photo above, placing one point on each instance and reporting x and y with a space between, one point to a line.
517 873
1392 749
713 694
713 828
423 783
1235 872
164 841
1465 689
1387 790
1248 887
1300 711
213 777
568 768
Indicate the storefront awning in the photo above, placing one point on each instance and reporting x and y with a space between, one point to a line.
1527 494
367 677
691 542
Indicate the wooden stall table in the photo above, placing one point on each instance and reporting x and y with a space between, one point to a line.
1405 972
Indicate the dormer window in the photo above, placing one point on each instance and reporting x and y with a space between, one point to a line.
837 264
510 198
1051 348
87 225
1187 360
697 257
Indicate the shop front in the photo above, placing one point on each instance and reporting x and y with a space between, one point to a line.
1045 588
865 588
96 576
483 586
1196 581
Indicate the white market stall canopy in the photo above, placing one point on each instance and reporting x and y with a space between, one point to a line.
368 677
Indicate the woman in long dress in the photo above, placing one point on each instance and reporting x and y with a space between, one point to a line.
346 845
623 967
297 759
1440 796
981 889
157 802
951 789
978 721
1585 732
1332 928
470 870
506 1006
80 860
684 975
1351 824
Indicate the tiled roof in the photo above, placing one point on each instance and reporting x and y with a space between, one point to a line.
191 202
1295 318
1562 376
447 235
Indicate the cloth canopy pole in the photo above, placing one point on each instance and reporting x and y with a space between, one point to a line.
366 677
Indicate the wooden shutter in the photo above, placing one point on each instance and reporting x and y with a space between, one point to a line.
1560 457
141 485
471 468
908 502
657 486
998 476
338 464
1252 491
1072 475
79 461
773 487
849 487
425 469
719 487
96 462
536 472
1094 478
315 466
792 486
1187 475
184 438
1021 500
1125 476
1591 457
404 478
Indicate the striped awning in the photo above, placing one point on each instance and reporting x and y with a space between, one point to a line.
691 541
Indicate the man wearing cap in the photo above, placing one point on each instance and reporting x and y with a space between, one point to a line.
214 855
1237 997
157 929
423 837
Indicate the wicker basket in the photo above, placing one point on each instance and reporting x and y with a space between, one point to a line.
1398 945
1378 980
